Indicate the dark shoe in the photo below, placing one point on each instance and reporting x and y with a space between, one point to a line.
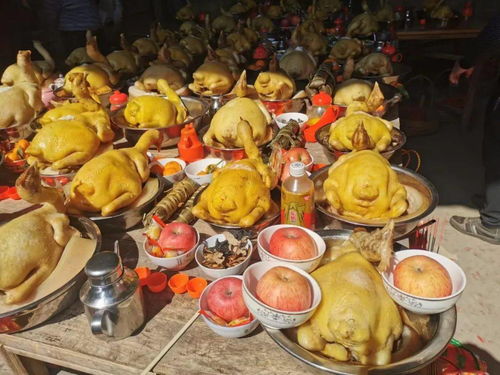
472 226
478 200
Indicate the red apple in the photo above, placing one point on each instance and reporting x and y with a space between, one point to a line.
295 20
298 154
422 276
284 22
225 299
292 243
284 289
285 172
177 236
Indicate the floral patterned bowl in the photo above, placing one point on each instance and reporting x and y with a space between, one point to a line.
421 305
269 316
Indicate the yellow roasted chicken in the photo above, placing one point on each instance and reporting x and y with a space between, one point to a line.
240 192
313 41
363 185
374 64
274 84
30 249
125 61
356 319
114 179
21 102
223 130
360 131
154 111
352 90
212 78
345 48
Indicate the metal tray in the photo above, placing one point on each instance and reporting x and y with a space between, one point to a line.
403 224
40 311
444 325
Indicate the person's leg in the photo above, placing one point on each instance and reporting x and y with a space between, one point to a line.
487 226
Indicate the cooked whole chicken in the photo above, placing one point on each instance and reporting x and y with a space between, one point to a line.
263 24
194 45
42 69
313 41
239 42
357 319
240 192
360 131
126 60
346 48
146 47
30 249
21 102
376 64
363 24
114 179
298 64
149 111
274 84
224 22
212 78
352 90
223 128
78 56
185 13
274 12
362 184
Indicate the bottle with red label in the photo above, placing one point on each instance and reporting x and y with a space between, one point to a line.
297 198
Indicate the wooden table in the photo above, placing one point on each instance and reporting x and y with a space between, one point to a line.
65 340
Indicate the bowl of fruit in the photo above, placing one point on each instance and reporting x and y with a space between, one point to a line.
279 295
223 309
201 171
292 245
172 169
424 282
171 246
15 158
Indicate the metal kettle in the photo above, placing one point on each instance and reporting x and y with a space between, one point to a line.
112 297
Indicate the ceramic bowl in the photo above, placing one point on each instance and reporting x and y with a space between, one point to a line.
421 305
229 332
215 273
283 119
268 316
307 265
176 177
175 263
198 166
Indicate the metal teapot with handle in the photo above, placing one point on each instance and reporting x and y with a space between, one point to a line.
112 297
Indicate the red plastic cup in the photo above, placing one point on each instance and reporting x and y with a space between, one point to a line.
157 282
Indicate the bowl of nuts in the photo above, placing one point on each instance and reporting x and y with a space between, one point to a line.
218 256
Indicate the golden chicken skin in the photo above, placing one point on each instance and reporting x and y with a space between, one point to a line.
360 131
154 111
356 319
223 128
212 78
363 185
274 86
240 192
114 179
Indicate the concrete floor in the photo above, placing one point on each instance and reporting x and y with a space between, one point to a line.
451 160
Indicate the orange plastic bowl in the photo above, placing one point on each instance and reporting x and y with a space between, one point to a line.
178 283
196 286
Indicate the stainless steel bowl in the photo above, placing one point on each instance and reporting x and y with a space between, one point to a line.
127 218
40 311
323 135
196 108
443 325
422 197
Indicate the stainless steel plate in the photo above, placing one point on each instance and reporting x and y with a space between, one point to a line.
39 311
443 324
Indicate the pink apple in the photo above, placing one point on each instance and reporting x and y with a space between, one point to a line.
225 299
292 243
298 154
177 236
284 289
422 276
